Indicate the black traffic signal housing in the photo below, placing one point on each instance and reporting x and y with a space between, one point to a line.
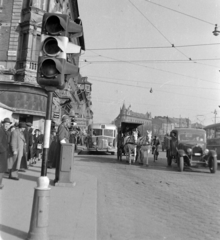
55 45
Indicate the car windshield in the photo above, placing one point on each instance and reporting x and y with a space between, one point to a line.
199 137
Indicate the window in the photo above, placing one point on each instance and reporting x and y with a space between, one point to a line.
210 133
108 132
97 132
41 4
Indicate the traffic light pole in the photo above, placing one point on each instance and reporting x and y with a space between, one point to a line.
47 129
40 209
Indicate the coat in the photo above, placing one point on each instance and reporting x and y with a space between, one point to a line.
62 133
17 144
10 153
29 141
3 150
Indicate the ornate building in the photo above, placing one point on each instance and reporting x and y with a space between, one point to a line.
20 39
128 116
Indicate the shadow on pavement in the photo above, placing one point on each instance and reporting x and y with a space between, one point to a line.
12 231
28 177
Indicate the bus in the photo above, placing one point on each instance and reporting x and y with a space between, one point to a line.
102 138
213 138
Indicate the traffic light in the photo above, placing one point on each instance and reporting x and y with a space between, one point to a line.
52 62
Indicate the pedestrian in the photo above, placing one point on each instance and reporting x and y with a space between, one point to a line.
37 146
40 141
63 136
73 136
52 149
155 145
10 153
18 147
29 140
4 148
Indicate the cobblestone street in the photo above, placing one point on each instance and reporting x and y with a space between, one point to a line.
155 202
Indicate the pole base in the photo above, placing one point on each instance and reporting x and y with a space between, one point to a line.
40 211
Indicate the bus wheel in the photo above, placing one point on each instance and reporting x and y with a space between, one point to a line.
213 164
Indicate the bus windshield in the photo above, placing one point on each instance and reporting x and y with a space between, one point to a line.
96 132
109 132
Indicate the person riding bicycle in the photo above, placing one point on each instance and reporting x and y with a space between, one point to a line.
155 143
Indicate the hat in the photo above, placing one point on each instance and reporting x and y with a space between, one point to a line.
29 124
6 120
22 125
65 117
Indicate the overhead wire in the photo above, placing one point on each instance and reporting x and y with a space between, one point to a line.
157 69
179 12
158 47
147 82
173 45
129 85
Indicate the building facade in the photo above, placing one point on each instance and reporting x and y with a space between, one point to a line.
128 116
20 40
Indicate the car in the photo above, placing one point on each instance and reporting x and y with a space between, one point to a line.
187 147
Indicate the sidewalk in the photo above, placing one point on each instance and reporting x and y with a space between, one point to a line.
72 210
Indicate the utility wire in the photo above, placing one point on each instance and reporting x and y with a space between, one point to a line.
159 31
179 12
159 61
147 82
150 22
129 85
137 48
157 69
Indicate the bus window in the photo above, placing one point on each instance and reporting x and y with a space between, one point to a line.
108 132
217 133
96 132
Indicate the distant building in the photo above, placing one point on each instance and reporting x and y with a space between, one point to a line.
162 125
128 116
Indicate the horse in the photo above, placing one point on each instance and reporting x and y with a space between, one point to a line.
143 148
130 144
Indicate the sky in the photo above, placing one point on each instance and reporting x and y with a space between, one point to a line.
167 46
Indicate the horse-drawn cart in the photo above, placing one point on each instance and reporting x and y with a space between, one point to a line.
124 128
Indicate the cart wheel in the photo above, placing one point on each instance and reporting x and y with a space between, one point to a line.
213 164
181 163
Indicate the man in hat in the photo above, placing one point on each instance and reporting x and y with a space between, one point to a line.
29 140
18 146
63 136
4 148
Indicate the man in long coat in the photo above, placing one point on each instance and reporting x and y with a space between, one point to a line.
4 148
18 146
63 136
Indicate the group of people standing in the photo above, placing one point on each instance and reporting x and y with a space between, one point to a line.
18 146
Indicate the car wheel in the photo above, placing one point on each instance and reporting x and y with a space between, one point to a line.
112 153
181 164
213 164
